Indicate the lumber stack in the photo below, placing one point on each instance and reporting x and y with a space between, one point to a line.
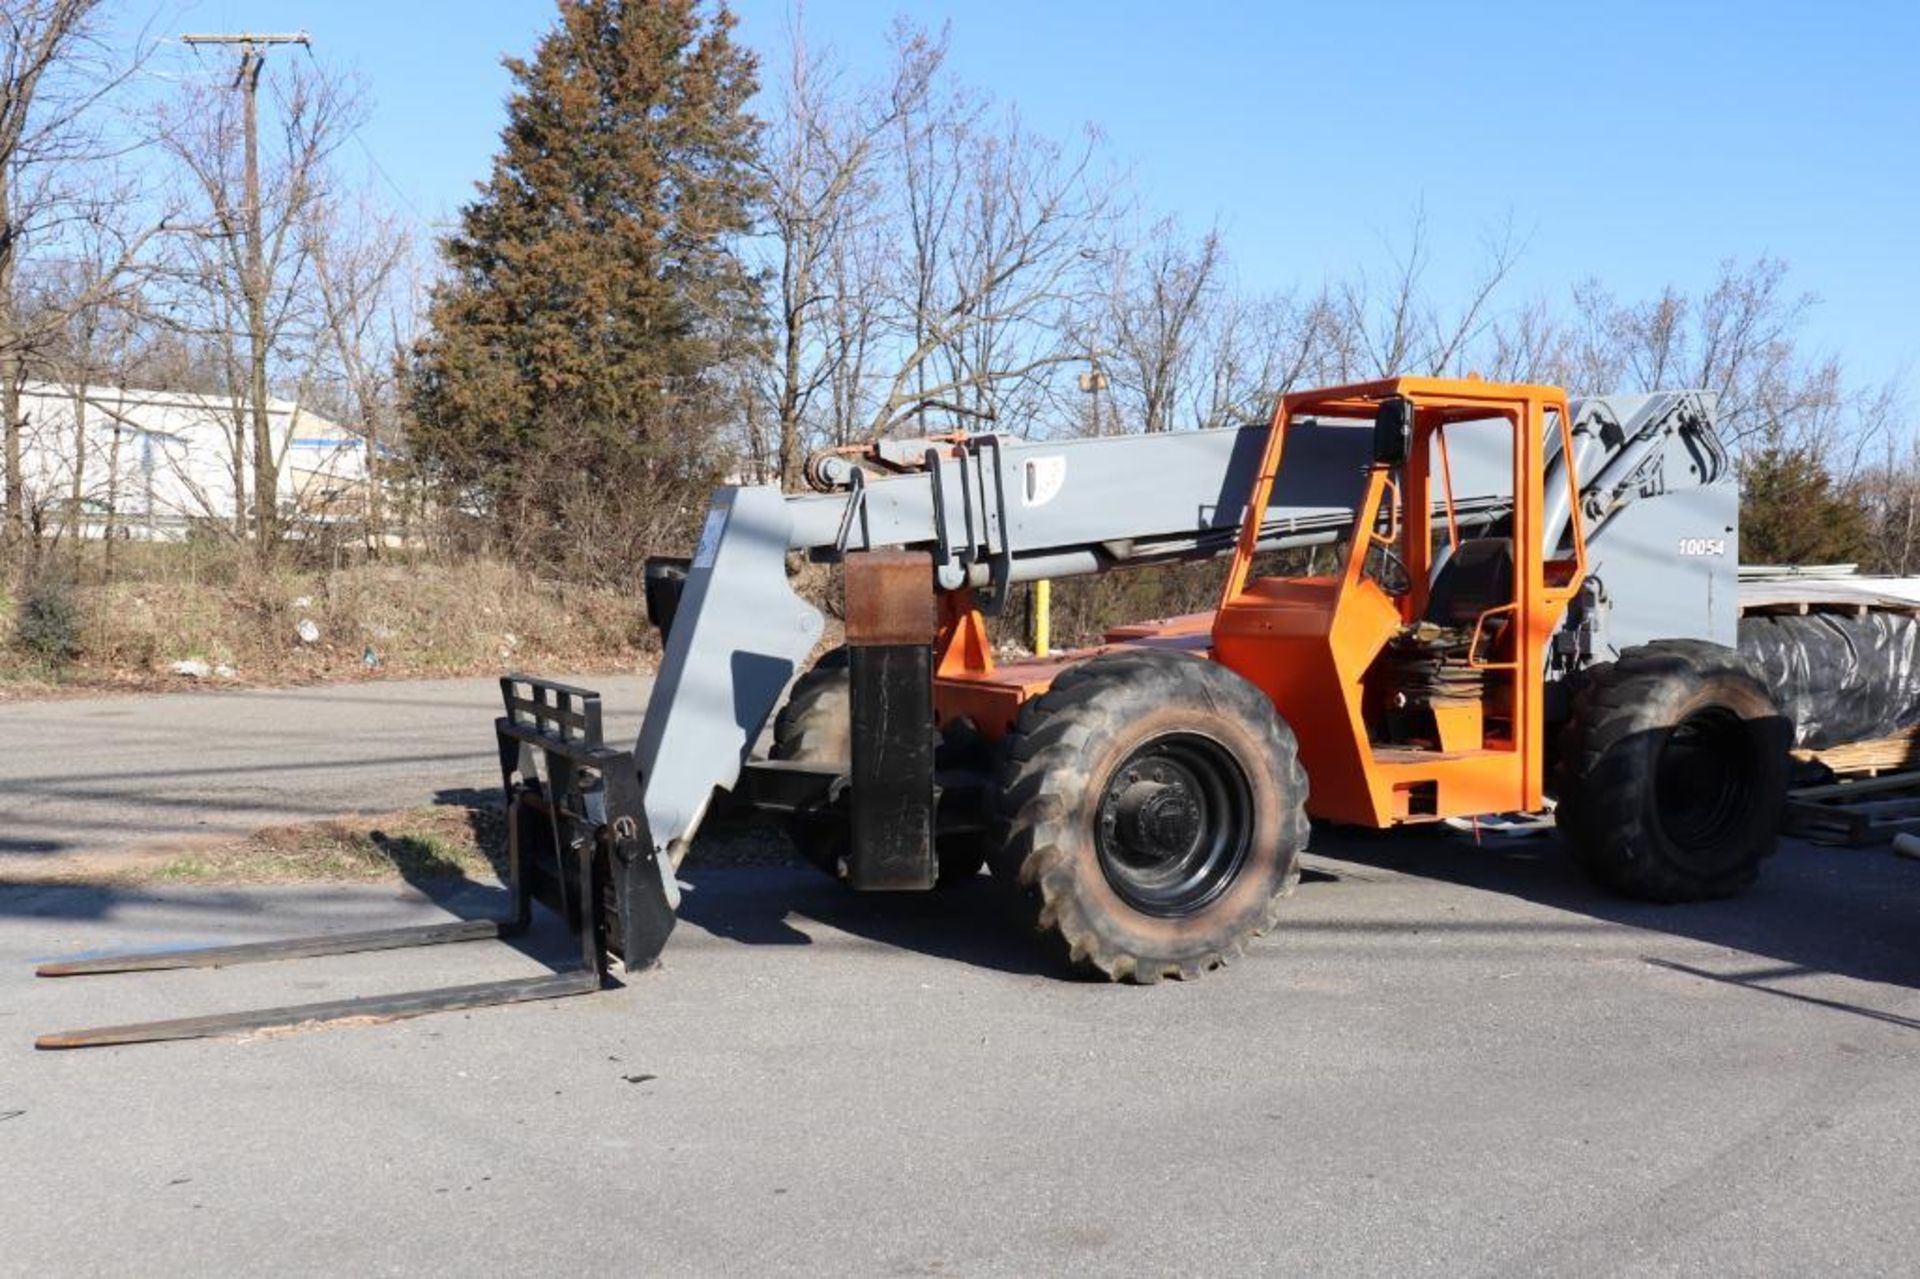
1899 753
1867 811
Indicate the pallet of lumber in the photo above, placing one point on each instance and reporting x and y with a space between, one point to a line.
1850 594
1869 811
1899 753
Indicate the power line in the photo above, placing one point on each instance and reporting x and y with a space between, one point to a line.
386 177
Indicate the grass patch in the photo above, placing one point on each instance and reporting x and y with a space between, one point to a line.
419 844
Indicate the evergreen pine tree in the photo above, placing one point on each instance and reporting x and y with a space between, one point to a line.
571 375
1790 512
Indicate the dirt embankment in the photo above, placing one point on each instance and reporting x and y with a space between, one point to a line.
176 623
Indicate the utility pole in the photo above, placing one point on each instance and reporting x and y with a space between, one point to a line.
1094 381
266 477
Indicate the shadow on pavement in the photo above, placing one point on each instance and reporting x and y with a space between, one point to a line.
975 924
270 914
415 862
1851 912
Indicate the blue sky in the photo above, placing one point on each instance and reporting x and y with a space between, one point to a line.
1638 143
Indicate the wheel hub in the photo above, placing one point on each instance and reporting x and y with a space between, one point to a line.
1157 820
1174 824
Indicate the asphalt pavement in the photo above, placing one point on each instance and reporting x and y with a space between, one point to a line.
1449 1058
91 775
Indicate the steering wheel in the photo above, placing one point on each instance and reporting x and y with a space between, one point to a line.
1399 581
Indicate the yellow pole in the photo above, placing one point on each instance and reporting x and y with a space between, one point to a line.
1042 616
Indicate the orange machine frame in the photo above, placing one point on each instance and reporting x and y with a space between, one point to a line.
1309 642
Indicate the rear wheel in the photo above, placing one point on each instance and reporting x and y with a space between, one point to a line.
816 726
1150 808
1673 773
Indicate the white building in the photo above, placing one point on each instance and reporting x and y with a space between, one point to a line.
155 464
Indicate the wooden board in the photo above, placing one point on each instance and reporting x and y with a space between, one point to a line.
1871 811
1899 753
1848 595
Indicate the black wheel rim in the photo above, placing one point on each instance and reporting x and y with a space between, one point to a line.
1174 824
1703 785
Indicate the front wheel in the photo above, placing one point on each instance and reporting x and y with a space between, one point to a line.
1151 808
1672 774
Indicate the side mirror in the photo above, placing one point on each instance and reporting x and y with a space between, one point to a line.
1393 431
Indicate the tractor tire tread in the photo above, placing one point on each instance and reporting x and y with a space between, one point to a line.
1604 783
1046 773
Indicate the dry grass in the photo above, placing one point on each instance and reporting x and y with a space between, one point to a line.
418 844
421 844
420 620
443 842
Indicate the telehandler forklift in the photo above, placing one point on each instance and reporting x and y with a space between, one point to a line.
1530 600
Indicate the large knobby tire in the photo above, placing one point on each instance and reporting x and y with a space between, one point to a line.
816 726
1672 773
1151 810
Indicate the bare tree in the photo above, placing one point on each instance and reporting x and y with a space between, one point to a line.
1005 236
1397 327
1532 345
1155 321
856 267
253 296
821 164
366 326
929 254
1738 339
59 182
1889 485
1258 348
952 302
100 306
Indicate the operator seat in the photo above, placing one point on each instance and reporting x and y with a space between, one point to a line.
1476 577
